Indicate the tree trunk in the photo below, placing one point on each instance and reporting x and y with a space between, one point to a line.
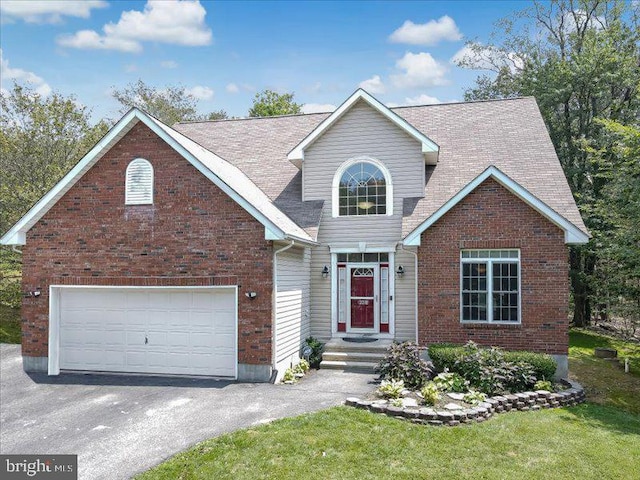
579 287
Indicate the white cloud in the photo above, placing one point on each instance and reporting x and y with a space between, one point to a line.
373 85
177 22
47 11
132 67
487 58
22 76
232 88
318 107
430 33
422 99
168 64
200 93
420 70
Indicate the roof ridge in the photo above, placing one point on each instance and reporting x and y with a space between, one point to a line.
221 120
488 100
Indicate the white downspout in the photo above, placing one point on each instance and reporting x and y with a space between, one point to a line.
415 274
275 300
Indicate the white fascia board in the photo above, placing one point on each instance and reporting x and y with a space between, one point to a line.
253 211
17 234
297 154
572 234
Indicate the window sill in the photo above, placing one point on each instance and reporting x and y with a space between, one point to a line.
496 325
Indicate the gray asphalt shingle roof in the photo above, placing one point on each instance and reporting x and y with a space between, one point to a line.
509 134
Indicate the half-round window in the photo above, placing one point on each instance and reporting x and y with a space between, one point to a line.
139 183
362 190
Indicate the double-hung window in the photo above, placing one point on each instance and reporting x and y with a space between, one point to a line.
490 286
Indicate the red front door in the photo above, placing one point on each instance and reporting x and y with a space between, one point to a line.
362 297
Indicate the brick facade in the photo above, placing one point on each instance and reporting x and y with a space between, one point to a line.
492 217
193 234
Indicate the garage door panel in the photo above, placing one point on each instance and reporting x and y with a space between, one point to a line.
187 331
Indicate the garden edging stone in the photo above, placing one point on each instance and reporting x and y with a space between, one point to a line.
572 395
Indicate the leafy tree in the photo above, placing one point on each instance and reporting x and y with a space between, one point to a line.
41 138
170 105
269 104
580 60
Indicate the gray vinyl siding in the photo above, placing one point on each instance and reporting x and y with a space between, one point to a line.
405 298
292 324
362 131
321 298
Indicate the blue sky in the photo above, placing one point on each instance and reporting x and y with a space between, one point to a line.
224 52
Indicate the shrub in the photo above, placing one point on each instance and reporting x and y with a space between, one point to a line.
447 357
444 355
430 393
487 370
391 388
289 375
544 365
543 385
474 397
451 382
316 351
402 362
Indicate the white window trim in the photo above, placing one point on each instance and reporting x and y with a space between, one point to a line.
127 200
490 262
335 187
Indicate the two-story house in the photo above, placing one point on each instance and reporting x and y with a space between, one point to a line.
216 248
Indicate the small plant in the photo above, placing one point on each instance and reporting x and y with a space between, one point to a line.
403 362
474 397
391 388
451 382
302 367
316 351
430 393
289 376
543 385
396 402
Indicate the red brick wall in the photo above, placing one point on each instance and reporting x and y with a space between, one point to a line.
193 234
492 217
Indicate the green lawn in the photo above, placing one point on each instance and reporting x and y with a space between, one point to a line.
605 382
9 325
586 442
589 441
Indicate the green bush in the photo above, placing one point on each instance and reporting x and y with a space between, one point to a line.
474 397
430 393
402 362
316 351
445 355
543 385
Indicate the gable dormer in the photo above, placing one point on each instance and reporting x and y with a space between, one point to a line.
428 147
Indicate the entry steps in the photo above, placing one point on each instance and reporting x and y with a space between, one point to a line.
362 357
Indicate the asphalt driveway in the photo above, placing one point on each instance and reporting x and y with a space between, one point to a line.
121 425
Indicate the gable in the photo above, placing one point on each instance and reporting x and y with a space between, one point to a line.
227 177
573 234
428 147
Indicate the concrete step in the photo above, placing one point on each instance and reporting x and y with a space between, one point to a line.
367 367
343 356
339 345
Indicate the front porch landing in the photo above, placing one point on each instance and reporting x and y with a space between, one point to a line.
340 354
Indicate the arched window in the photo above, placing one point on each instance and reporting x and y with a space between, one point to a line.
139 183
362 187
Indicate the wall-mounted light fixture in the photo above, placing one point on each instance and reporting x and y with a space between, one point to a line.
400 271
251 295
325 271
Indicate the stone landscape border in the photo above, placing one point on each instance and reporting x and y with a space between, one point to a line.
537 400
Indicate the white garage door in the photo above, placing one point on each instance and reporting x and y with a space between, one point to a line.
151 330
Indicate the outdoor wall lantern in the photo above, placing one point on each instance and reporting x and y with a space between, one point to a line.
325 271
400 271
251 295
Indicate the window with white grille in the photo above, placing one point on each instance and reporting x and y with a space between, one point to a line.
139 183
